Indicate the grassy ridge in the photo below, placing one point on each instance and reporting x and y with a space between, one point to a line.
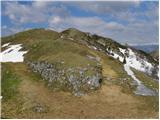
46 45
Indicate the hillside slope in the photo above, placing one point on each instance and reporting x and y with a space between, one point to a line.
155 54
71 73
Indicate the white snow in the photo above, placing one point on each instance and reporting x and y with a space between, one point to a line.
130 73
5 45
115 55
138 63
141 89
122 50
12 54
132 60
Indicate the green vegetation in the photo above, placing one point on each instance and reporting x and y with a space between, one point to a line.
10 82
60 50
155 54
147 80
29 37
45 45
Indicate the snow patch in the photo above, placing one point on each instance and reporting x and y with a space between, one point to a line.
122 50
130 73
138 63
115 55
134 61
141 89
5 45
12 54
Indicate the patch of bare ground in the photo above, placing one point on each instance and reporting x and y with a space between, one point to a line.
37 101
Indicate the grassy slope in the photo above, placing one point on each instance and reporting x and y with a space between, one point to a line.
146 80
47 45
152 101
10 82
110 101
113 95
155 54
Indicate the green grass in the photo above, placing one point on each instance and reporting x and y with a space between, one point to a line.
147 80
46 45
72 54
9 83
29 37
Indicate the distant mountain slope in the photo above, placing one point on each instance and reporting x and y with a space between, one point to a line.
146 48
155 54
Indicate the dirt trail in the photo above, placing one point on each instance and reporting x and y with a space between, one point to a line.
108 102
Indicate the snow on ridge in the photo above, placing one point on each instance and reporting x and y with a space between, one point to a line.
141 89
12 54
132 59
138 63
122 50
5 45
116 56
130 73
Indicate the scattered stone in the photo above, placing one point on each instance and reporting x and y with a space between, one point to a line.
39 108
78 80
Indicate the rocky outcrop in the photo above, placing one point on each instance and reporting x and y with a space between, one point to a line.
147 64
78 80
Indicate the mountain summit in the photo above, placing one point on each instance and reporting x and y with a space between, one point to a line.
75 63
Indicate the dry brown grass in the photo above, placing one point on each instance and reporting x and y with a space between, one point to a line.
107 102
